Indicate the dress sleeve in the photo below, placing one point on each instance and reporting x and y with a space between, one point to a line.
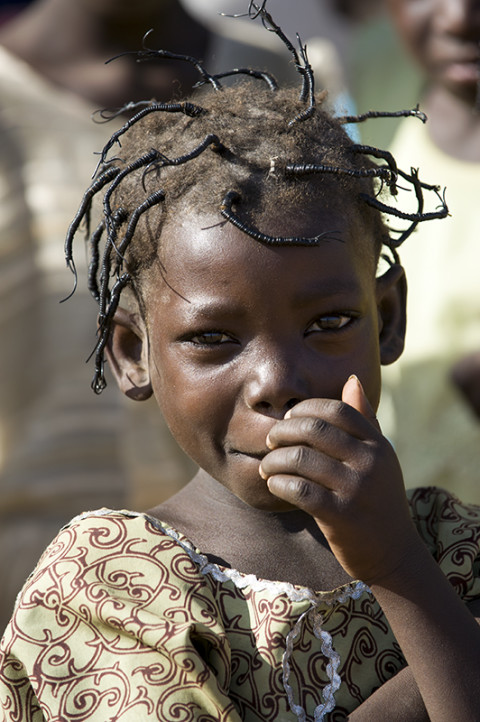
116 622
451 530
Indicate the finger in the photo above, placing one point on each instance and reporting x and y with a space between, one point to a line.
354 395
338 413
317 433
300 492
302 461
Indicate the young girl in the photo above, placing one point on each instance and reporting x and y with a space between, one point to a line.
291 579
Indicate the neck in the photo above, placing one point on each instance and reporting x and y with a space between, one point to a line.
283 546
236 512
454 124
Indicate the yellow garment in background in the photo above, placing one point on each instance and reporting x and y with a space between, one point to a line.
435 435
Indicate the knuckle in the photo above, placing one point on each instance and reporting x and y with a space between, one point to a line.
336 412
297 457
333 407
344 411
301 491
372 455
318 426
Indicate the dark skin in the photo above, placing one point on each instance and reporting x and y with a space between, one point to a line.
444 37
266 365
68 41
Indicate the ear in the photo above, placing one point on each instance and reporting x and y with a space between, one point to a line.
392 313
127 353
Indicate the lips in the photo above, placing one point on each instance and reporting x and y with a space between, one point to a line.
458 55
258 455
463 71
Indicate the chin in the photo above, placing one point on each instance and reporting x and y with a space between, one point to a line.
267 502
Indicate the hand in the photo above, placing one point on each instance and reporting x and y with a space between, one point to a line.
329 459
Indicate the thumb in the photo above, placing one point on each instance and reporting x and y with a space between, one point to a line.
354 395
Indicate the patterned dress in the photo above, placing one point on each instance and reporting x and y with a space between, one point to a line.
123 619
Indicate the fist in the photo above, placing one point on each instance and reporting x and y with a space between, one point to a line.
330 459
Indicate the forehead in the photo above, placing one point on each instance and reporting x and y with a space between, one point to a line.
205 256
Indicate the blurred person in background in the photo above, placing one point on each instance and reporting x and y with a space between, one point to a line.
380 71
352 46
324 27
60 450
439 369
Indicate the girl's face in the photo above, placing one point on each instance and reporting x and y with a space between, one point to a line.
444 36
238 333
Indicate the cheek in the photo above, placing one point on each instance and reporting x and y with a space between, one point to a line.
413 20
372 386
192 404
186 418
368 366
179 405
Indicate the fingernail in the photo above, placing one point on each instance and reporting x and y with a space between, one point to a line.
288 414
357 381
262 473
268 442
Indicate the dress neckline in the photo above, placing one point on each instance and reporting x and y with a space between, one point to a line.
241 580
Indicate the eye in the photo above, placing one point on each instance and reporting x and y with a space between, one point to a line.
209 338
330 322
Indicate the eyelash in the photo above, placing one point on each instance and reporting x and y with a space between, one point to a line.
347 317
194 338
218 338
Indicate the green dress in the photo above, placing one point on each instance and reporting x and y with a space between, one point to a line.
123 619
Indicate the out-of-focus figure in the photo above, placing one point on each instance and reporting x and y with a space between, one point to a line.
442 261
60 450
325 31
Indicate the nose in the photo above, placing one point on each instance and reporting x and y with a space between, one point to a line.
276 382
456 17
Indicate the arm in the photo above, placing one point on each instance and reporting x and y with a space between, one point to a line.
400 695
330 459
438 635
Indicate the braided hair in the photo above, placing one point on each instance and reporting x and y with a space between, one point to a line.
241 151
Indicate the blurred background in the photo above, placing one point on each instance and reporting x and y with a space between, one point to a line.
64 450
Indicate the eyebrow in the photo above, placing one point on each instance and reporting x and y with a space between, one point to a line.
332 289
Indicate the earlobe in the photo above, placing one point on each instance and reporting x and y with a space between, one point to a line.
391 304
127 353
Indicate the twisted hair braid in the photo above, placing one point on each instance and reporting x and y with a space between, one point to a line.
239 151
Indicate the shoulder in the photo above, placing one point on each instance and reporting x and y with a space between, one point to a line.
103 573
451 530
116 598
105 553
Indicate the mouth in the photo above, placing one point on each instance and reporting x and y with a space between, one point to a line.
460 61
258 455
463 71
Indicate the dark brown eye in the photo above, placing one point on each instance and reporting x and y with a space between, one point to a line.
210 338
330 322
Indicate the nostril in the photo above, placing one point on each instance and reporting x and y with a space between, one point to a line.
265 407
290 404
